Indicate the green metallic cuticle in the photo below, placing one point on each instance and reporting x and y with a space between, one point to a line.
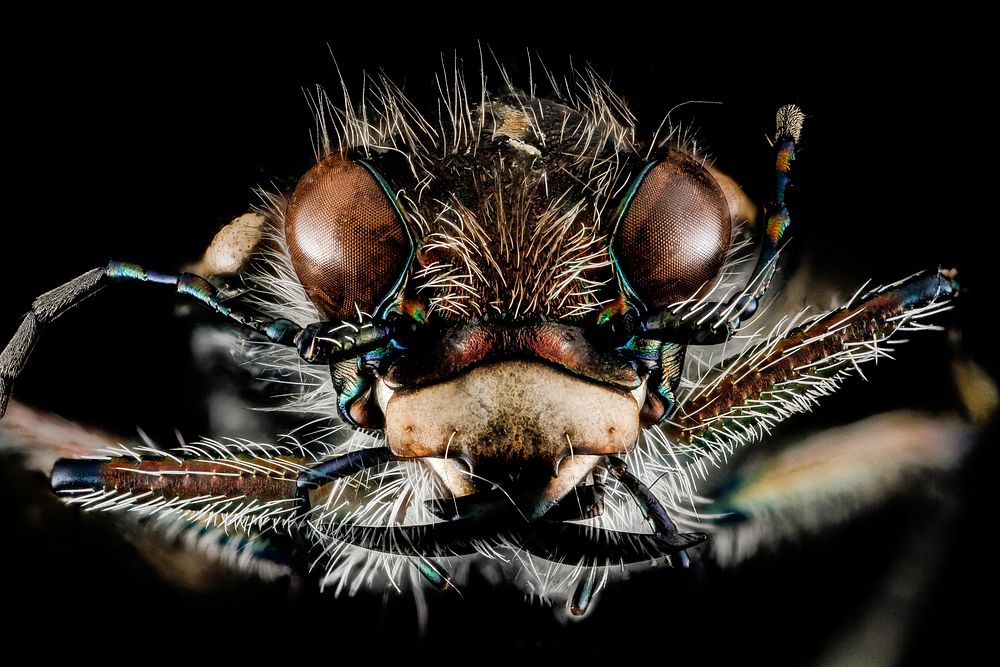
626 288
351 392
643 348
394 292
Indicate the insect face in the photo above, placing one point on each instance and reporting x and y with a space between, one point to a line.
533 241
500 304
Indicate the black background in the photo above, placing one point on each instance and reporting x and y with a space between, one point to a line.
140 143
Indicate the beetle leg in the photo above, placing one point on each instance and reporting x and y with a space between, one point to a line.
49 306
830 476
342 466
789 371
587 589
206 474
559 542
242 488
654 512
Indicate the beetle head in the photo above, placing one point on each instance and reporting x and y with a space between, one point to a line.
509 263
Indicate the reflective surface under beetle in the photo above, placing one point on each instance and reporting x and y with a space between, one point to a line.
521 339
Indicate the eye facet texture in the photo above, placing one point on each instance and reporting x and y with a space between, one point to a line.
348 242
674 233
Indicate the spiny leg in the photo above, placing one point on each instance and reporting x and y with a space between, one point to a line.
654 512
353 463
261 489
342 466
793 368
49 306
251 488
831 476
207 474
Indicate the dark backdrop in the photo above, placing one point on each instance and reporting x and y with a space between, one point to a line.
140 143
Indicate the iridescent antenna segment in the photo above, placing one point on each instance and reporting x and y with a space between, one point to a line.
789 128
50 306
701 322
187 284
318 343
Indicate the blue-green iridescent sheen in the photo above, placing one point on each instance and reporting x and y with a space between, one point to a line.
781 185
619 214
584 593
671 362
130 271
643 348
390 297
360 381
433 573
350 391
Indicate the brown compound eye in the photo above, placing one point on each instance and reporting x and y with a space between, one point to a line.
348 242
673 231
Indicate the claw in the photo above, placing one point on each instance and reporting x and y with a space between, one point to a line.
665 530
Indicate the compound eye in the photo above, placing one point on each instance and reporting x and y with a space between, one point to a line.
673 231
349 244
